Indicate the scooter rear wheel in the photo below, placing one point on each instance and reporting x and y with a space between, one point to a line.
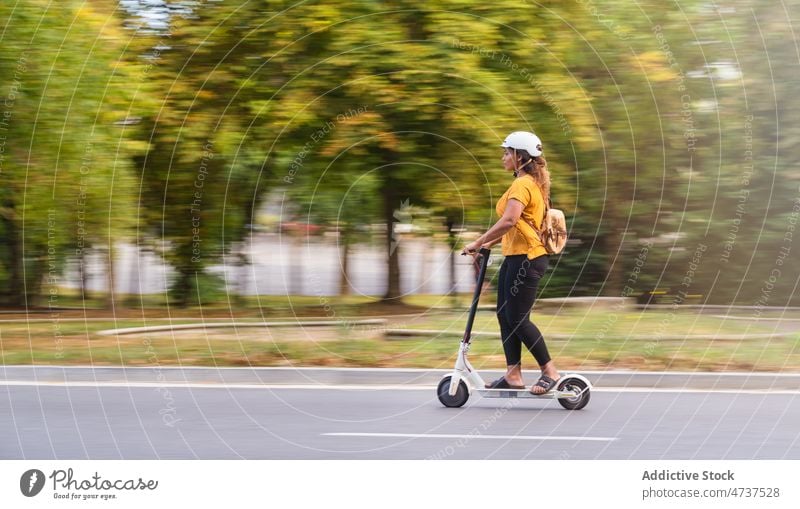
577 385
443 391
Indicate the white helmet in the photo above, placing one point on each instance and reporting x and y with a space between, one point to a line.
523 140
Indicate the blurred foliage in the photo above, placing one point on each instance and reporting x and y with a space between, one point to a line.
667 127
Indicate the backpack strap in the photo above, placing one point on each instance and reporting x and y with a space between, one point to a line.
530 227
548 204
538 231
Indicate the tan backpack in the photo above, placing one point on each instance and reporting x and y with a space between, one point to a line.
553 232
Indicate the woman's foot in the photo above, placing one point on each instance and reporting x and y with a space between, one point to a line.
502 383
514 376
547 381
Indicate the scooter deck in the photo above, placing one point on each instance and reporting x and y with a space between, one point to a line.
525 393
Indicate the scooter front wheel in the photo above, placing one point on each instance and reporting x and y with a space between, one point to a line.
575 385
443 391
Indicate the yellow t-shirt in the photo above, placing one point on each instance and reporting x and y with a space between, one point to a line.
525 190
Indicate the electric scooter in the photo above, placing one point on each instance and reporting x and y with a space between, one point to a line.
572 391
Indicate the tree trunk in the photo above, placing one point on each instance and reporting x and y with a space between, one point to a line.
243 262
83 274
110 274
618 203
616 259
15 287
35 276
344 282
451 242
392 246
182 288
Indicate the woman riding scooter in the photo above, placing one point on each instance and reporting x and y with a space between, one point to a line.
525 260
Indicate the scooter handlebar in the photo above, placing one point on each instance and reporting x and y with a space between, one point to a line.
485 252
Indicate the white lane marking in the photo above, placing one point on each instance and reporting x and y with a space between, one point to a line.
301 369
688 390
470 437
212 385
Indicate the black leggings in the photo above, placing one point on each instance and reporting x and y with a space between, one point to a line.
516 293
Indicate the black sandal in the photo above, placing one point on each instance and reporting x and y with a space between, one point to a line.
502 383
546 383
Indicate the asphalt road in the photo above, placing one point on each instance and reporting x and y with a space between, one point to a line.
141 421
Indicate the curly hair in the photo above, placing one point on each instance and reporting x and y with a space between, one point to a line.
536 167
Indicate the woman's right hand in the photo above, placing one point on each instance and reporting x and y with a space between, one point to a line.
471 249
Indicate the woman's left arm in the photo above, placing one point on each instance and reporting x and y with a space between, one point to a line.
510 217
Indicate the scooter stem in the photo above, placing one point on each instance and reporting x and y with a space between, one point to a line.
484 254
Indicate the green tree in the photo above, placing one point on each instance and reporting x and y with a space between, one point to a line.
65 165
431 86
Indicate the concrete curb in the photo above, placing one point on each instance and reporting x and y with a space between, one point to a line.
233 325
371 376
401 334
